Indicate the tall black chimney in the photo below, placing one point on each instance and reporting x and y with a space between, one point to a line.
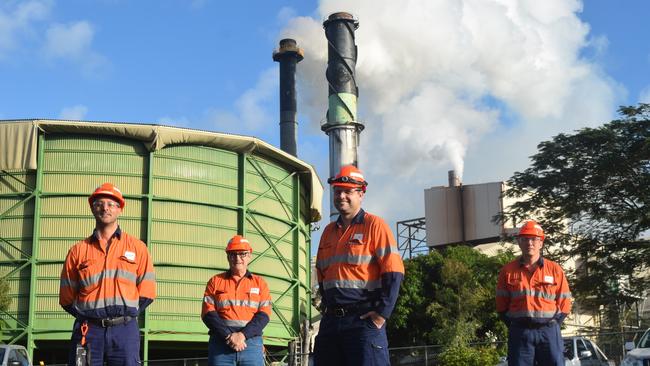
342 126
288 55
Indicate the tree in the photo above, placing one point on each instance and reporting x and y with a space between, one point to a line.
447 299
5 300
591 192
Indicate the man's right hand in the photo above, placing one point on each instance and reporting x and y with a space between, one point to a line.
236 341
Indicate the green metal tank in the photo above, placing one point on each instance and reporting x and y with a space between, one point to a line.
187 193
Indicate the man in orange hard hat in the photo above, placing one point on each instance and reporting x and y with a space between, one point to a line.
236 308
533 298
359 275
106 282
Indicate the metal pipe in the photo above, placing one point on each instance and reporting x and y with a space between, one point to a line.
342 125
454 180
288 55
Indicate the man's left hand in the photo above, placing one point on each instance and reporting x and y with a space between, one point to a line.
377 319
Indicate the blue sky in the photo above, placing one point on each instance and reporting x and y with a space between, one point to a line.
471 85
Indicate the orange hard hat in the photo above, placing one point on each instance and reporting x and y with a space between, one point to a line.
107 190
237 243
349 177
531 228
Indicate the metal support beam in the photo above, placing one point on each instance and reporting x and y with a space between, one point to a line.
36 234
149 198
412 237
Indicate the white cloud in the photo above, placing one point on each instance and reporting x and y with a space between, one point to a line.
74 113
18 21
644 96
69 41
73 42
472 85
250 116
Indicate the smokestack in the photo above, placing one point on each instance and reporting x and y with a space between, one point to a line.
342 125
288 55
454 180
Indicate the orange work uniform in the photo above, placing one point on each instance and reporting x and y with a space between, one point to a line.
536 297
236 306
359 264
103 280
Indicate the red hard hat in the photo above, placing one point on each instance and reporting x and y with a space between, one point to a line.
238 243
107 190
349 177
531 228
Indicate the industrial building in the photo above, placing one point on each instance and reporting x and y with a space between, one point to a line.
187 193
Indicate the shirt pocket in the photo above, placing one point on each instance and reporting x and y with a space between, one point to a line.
515 283
546 290
325 256
126 271
357 254
90 276
253 300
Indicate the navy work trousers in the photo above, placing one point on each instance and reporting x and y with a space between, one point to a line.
116 345
350 341
538 346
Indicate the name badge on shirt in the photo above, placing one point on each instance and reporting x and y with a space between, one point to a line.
255 290
129 255
548 279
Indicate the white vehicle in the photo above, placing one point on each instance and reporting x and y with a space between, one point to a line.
639 356
13 355
580 351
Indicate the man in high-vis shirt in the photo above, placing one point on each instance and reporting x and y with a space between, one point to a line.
533 298
359 275
106 281
236 308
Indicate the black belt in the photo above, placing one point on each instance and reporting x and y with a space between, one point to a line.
340 311
532 325
109 322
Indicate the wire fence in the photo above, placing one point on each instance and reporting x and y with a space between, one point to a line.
610 342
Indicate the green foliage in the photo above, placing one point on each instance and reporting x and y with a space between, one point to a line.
466 356
5 300
591 191
447 298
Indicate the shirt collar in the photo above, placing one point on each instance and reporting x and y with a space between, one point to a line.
117 233
357 219
540 261
248 274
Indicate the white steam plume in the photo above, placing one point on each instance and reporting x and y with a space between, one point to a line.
454 84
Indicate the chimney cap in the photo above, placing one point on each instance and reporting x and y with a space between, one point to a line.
341 16
288 47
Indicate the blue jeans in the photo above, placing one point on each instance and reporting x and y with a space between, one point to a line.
220 354
117 345
541 346
350 341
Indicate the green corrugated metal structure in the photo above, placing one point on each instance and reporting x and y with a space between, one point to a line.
187 193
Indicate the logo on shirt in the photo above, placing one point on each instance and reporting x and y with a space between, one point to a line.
548 279
255 290
129 255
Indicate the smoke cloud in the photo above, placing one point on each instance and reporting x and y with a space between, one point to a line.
470 85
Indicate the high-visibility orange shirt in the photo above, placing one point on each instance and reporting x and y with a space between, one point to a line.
243 305
100 282
538 296
359 264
